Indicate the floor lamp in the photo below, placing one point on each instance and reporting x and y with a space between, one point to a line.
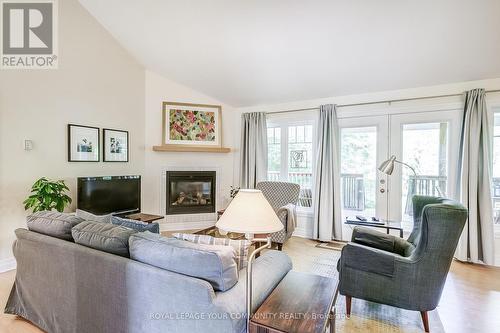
251 214
387 166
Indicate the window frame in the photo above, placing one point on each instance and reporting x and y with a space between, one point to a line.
284 121
495 111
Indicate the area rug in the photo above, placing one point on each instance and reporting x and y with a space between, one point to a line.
365 316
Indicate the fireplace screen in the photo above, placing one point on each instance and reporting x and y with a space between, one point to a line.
190 192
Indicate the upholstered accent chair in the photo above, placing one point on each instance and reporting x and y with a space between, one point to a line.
283 198
408 274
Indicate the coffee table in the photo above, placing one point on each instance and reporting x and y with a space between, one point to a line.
214 232
301 303
385 224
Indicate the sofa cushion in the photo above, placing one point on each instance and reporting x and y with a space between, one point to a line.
92 217
53 224
136 225
213 263
240 246
103 236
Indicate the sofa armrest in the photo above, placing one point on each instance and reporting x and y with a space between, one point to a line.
368 259
268 270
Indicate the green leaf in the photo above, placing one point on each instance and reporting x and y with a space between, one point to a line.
47 195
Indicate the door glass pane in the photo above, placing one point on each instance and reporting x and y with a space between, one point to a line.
358 171
273 153
496 169
425 149
300 164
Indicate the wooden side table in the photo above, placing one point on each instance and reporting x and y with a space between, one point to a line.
148 218
301 303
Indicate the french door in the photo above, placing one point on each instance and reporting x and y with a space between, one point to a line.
364 144
427 141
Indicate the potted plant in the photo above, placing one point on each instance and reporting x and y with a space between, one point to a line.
233 191
47 195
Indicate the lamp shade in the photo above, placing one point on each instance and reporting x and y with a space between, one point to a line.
388 165
249 213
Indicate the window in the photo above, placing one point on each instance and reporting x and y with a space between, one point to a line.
495 188
290 155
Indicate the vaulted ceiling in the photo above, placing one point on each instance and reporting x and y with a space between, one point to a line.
251 52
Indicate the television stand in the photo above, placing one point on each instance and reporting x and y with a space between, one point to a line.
148 218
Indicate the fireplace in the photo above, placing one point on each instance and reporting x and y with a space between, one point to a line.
190 192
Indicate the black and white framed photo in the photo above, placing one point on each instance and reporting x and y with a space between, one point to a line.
115 145
83 143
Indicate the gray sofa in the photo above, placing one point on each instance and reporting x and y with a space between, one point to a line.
64 287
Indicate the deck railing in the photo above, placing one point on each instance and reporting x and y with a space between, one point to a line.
304 179
353 189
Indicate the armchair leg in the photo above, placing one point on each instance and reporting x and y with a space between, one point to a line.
280 246
425 320
348 301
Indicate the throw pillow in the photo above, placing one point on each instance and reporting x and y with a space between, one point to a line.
53 224
240 246
103 236
136 225
213 263
92 217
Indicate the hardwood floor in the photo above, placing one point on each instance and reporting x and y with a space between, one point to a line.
470 301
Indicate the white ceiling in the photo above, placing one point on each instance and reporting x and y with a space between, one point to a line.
251 52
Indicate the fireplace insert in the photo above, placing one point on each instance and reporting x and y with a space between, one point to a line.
190 192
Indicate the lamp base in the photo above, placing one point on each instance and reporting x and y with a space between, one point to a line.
249 275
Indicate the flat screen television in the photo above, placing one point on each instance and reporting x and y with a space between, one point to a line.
109 195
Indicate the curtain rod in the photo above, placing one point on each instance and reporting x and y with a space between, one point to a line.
381 102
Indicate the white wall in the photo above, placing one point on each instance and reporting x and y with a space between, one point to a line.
98 84
158 90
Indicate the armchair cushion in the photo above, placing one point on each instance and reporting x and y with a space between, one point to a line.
373 238
368 259
379 240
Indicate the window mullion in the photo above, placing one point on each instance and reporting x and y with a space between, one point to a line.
284 153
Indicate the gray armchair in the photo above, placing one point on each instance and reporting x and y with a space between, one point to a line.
283 198
408 274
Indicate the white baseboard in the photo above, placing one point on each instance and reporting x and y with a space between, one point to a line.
302 232
7 264
174 226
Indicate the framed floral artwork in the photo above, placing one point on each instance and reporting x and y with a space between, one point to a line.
192 124
83 143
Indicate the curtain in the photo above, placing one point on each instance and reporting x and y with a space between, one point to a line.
326 200
477 241
253 150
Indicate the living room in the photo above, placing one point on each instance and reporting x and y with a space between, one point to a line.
347 152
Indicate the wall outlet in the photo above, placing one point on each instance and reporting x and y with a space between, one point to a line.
28 145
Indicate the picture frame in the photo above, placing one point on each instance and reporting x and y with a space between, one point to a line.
83 143
115 145
193 125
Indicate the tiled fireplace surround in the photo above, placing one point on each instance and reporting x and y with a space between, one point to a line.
190 221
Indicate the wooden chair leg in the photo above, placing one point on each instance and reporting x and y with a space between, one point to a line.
348 301
425 320
280 246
